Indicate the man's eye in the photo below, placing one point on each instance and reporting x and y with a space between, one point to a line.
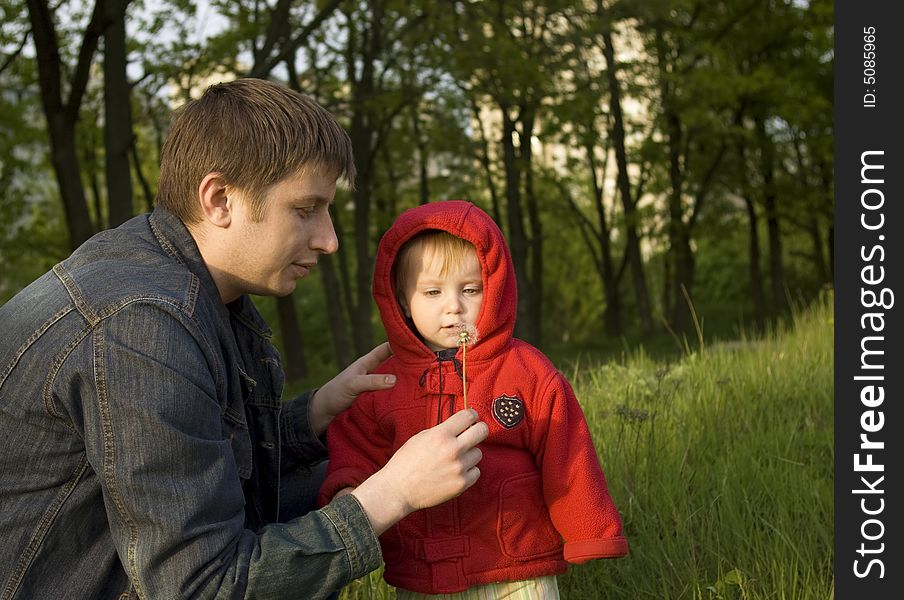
305 212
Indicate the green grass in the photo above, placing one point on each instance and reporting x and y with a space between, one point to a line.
722 466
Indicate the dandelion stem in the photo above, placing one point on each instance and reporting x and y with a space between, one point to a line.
463 338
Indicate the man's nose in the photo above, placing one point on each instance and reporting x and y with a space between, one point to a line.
324 239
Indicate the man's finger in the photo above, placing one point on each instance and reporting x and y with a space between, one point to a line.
372 359
460 421
472 457
369 383
473 435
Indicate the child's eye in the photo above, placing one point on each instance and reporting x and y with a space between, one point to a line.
472 291
431 292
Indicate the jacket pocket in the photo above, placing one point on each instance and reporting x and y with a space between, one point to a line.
524 528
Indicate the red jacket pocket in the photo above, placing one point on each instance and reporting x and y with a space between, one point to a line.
524 528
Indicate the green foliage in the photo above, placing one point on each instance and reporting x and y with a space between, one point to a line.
32 230
434 63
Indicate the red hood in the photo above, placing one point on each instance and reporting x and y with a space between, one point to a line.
496 320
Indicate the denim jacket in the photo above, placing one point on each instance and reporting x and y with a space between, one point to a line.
144 451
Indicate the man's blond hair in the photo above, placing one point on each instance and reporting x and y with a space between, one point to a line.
255 133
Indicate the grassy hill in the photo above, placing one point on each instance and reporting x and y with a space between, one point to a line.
722 466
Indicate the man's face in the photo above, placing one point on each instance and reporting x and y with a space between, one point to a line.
441 305
267 257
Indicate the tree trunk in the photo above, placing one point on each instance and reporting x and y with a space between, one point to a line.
825 180
767 169
142 180
335 312
534 293
62 115
422 157
485 163
632 239
612 314
362 132
336 301
683 285
813 213
517 235
295 363
755 274
117 123
677 309
831 244
361 308
819 259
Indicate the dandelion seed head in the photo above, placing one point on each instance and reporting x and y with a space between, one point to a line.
467 334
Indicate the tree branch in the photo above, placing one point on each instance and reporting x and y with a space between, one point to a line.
264 67
15 53
105 12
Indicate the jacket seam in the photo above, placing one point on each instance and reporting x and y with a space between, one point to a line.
47 391
44 525
164 242
544 398
250 324
77 298
109 445
350 549
34 338
109 441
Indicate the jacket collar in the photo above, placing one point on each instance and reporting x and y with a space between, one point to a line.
178 243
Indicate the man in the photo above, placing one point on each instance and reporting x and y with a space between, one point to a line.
144 448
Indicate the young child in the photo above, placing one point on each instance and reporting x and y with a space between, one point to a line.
445 286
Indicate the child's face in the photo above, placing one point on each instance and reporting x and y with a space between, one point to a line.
440 305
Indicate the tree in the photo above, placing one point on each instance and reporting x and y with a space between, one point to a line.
277 46
118 135
629 201
63 113
510 54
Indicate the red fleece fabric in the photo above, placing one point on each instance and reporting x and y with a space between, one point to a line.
541 500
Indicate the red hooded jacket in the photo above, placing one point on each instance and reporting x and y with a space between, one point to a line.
540 482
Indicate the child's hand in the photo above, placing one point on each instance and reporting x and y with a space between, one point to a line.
435 465
339 392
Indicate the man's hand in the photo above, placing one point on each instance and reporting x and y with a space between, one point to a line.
435 465
339 392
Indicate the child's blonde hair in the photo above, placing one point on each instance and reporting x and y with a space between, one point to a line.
450 249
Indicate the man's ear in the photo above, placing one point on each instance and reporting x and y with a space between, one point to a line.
215 206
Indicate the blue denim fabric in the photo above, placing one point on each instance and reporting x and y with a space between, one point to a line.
144 450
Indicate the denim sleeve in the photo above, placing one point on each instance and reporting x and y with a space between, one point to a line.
303 446
154 436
